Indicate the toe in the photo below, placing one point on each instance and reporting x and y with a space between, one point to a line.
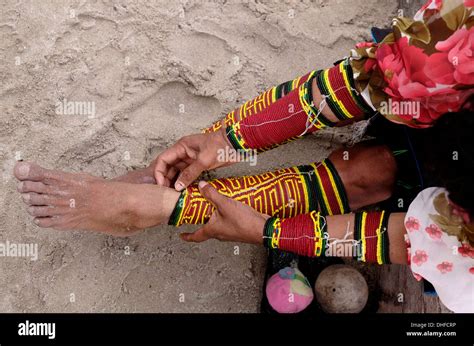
26 197
44 199
34 172
56 222
28 171
31 186
35 199
44 211
45 222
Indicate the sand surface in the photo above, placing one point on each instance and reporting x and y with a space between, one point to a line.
155 71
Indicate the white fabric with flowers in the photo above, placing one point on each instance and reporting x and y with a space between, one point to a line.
436 254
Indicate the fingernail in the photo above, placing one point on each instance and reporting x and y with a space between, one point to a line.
19 187
202 183
26 197
179 186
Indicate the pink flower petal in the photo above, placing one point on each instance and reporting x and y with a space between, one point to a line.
439 69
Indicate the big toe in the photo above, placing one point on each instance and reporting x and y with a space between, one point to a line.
29 171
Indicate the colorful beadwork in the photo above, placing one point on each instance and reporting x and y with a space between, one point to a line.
331 193
370 231
341 95
285 193
259 103
305 235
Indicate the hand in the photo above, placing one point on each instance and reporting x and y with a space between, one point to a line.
190 156
231 221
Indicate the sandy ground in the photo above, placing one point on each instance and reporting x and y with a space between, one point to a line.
155 71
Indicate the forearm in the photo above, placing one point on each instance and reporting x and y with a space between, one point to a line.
288 118
259 103
376 237
317 100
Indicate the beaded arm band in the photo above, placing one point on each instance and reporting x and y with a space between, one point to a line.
307 235
258 104
304 235
295 114
370 231
288 118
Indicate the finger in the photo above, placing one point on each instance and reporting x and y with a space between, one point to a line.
212 195
160 179
188 175
197 237
173 172
168 178
168 159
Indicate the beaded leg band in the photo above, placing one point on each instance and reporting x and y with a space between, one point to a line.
370 231
285 193
305 235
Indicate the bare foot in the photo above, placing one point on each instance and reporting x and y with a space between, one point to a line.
68 201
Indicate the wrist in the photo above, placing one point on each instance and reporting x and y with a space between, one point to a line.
223 139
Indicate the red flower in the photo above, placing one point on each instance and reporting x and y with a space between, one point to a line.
434 231
403 67
469 3
455 62
471 270
369 65
412 224
445 267
419 257
466 251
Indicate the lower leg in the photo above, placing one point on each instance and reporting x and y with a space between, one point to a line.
78 201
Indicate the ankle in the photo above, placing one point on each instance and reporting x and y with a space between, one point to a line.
150 205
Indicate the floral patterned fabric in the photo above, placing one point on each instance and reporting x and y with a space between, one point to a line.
438 251
423 68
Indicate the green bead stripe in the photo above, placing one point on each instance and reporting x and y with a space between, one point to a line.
385 240
357 233
178 208
308 96
333 105
356 96
339 185
233 138
323 227
268 231
311 185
